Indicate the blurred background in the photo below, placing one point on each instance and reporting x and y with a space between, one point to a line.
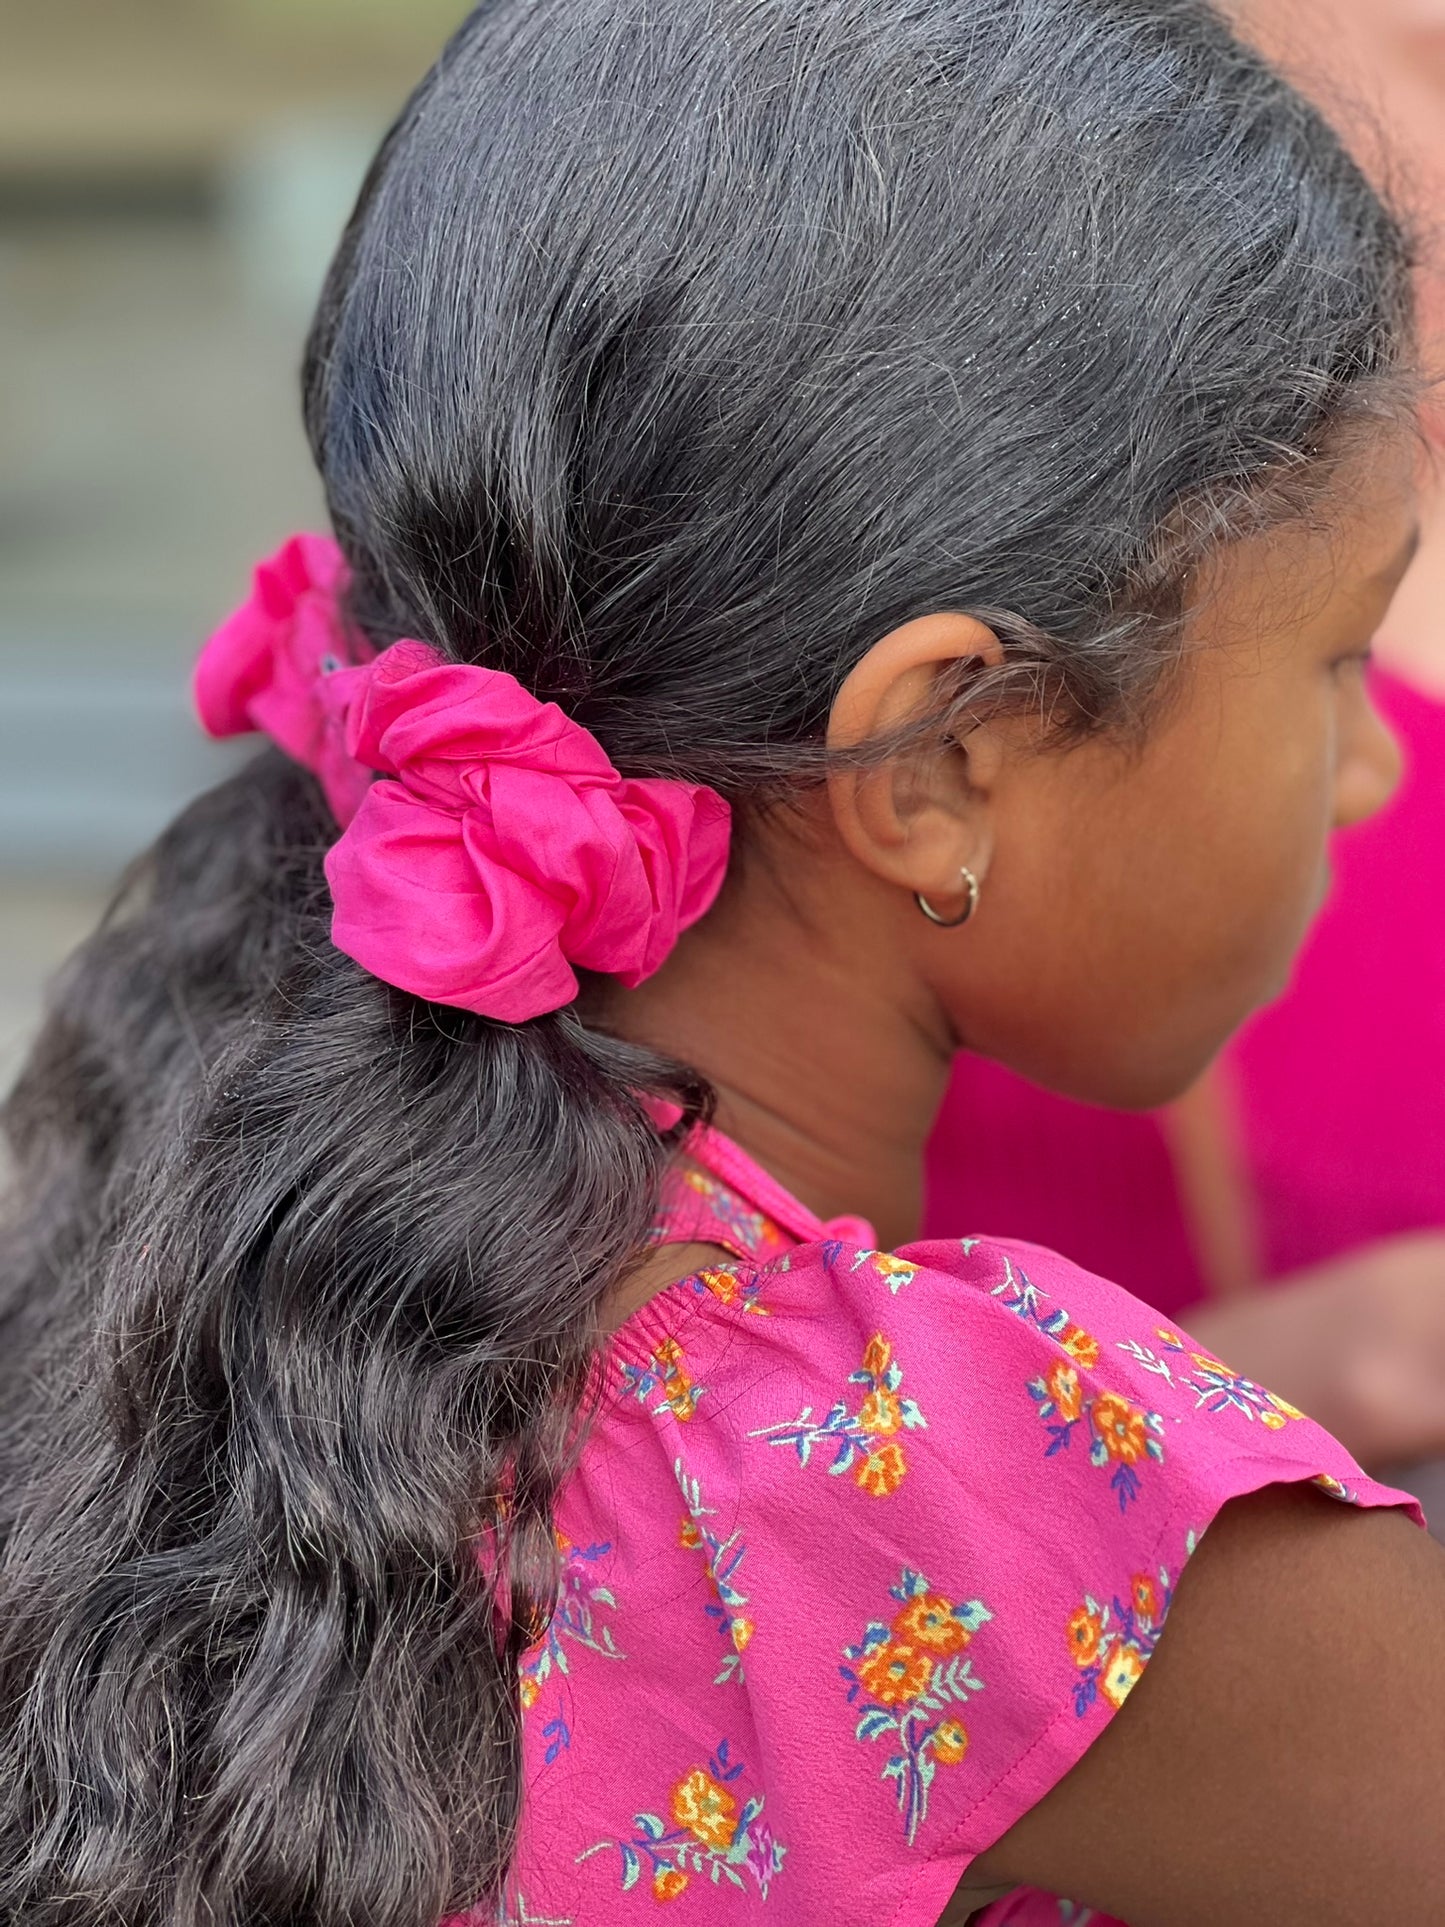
173 176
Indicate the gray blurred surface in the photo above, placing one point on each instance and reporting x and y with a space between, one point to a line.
173 176
38 926
149 450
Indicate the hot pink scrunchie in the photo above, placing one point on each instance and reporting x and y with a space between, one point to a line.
270 668
504 849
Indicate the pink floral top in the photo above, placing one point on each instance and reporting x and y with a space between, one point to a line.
864 1551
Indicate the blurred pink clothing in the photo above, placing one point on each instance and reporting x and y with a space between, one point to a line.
1339 1088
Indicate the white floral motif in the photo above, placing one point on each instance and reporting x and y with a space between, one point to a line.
723 1559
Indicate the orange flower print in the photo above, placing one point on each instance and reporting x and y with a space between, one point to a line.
706 1831
1066 1391
724 1285
706 1808
877 1355
898 1272
689 1535
1112 1644
682 1395
741 1632
881 1412
906 1677
867 1442
1121 1428
1085 1631
895 1674
1080 1346
739 1290
531 1691
882 1472
1279 1412
932 1622
1120 1672
666 1372
1120 1434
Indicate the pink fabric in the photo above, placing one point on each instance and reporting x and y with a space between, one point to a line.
717 1195
505 849
271 668
863 1552
1339 1087
508 849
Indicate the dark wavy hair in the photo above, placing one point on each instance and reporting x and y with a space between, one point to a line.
675 353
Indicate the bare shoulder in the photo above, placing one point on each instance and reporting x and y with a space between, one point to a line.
1283 1757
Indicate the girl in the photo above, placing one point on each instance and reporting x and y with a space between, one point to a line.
473 1443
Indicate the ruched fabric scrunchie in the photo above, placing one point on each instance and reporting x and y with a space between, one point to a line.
497 851
272 668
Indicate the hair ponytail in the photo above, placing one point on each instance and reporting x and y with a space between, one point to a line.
294 1529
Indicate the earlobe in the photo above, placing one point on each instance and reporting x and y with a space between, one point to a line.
922 818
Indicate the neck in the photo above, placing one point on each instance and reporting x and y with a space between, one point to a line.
822 1075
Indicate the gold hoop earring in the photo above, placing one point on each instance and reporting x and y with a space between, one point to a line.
953 923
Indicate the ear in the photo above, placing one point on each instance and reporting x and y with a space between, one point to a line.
919 818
